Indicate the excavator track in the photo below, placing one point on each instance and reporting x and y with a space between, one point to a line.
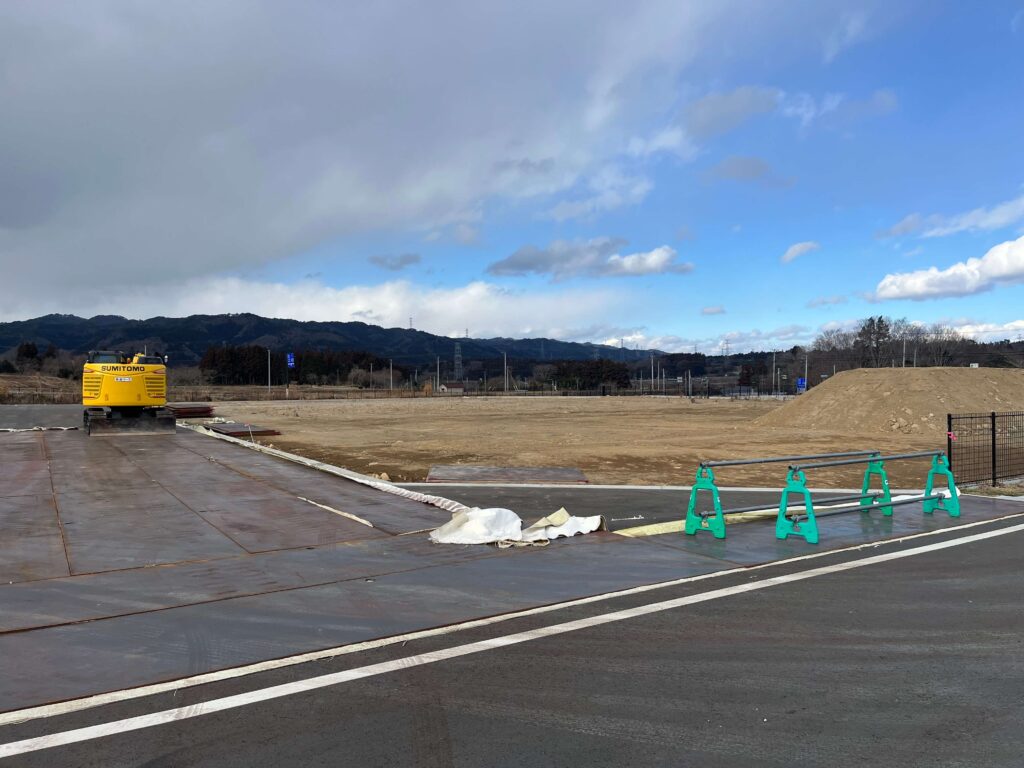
118 421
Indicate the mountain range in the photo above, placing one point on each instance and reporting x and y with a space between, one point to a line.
185 339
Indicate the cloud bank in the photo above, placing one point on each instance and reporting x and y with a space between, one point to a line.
1001 265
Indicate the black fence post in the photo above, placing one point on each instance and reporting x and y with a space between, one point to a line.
993 420
949 440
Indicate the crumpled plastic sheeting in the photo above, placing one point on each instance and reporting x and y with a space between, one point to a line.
505 528
480 526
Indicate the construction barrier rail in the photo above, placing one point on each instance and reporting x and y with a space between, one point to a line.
705 481
804 524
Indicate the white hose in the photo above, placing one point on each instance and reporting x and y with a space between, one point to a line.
438 501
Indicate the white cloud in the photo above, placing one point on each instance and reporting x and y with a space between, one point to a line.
997 217
609 189
671 139
782 337
487 309
141 148
978 220
659 261
806 108
852 29
836 110
715 310
1001 265
597 257
1012 330
719 113
796 250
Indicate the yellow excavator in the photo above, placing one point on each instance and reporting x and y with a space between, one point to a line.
125 393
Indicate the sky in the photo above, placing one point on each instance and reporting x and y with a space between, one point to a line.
676 175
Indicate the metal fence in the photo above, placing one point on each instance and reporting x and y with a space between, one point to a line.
986 447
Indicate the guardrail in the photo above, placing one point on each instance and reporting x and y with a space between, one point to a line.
804 524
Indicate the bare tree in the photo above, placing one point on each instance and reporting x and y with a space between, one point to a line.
942 345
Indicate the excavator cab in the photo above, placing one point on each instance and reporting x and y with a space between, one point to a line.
125 393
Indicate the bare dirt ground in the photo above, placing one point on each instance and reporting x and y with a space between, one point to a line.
614 440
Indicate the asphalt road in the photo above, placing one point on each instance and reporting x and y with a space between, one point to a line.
917 661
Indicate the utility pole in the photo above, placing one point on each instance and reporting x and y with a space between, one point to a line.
268 370
504 358
652 373
773 372
438 373
391 375
807 384
904 351
371 376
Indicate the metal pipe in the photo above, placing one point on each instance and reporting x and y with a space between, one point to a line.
901 502
844 462
741 510
738 462
767 507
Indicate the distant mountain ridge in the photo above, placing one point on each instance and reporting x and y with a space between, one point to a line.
185 339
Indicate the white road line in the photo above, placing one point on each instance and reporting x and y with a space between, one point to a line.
113 697
396 665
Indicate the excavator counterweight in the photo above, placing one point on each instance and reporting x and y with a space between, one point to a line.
125 394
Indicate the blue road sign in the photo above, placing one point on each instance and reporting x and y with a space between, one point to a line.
291 359
801 384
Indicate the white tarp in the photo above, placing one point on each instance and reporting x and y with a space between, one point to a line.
497 525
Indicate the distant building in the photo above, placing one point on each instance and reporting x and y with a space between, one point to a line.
453 387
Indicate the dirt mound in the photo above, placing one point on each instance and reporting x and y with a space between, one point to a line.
907 400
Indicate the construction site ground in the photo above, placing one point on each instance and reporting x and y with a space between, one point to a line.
171 577
614 440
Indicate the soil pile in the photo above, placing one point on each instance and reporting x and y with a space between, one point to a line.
907 400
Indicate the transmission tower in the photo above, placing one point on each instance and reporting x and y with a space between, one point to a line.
458 361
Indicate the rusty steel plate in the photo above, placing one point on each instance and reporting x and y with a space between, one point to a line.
31 546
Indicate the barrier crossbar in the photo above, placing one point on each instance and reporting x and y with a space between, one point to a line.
705 481
805 524
845 462
779 459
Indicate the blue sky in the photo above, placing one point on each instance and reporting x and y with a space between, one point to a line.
673 175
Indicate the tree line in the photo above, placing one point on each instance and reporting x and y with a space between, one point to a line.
880 342
251 364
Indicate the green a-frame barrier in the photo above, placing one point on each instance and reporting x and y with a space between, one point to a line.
796 482
705 481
